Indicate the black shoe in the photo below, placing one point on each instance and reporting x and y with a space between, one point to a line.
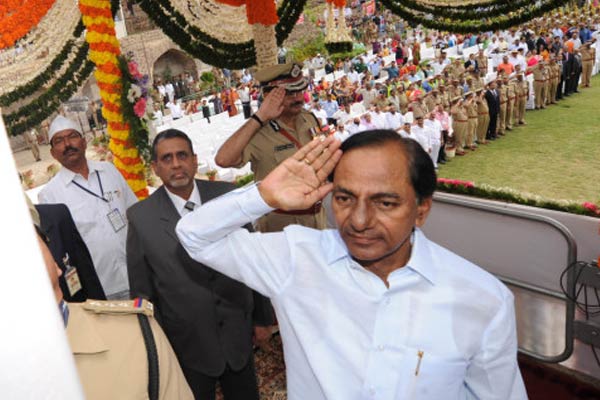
442 162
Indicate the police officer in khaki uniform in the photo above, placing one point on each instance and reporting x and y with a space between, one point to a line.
444 97
483 116
109 348
482 61
471 107
31 140
538 84
522 95
503 97
510 103
460 123
554 71
417 107
588 56
275 132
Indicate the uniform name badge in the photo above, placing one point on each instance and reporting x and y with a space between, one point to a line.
116 220
71 277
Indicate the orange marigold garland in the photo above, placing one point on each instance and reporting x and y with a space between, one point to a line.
104 52
18 17
262 16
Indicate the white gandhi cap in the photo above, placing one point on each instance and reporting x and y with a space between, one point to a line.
60 124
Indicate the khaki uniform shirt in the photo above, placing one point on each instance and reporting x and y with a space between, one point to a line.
431 101
482 106
557 71
538 73
418 109
483 63
587 54
510 90
503 94
445 100
111 356
266 150
459 113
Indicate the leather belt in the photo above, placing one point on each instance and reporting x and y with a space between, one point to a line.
315 209
472 117
537 80
502 102
461 120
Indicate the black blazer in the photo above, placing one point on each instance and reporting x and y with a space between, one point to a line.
64 238
493 102
207 316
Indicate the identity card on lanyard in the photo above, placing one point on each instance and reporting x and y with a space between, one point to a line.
114 215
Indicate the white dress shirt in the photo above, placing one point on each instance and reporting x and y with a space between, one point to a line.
394 121
180 203
321 115
90 214
421 135
347 336
378 119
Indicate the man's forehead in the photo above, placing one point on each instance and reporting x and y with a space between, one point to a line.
65 132
172 144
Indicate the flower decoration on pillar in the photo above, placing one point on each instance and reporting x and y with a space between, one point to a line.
104 52
262 16
337 39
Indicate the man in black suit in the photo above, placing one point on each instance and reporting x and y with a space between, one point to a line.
208 317
472 62
567 72
492 98
70 253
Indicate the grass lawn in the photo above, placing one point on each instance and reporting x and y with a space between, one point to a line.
556 155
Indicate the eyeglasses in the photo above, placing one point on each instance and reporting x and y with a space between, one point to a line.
59 141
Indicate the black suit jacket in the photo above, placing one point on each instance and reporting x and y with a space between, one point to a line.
493 102
207 316
474 63
64 238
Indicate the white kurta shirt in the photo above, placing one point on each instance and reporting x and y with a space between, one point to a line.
444 329
90 214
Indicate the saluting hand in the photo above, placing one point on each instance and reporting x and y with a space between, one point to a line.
272 105
299 181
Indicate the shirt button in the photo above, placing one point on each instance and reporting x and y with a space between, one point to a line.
381 347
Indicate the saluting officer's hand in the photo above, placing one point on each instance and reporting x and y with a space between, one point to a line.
272 105
299 181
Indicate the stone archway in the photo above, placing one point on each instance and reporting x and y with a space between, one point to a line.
173 63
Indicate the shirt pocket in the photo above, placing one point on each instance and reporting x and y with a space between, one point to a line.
432 377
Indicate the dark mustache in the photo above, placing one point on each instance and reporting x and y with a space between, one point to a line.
298 103
67 149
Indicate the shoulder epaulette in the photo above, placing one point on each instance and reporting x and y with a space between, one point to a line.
135 306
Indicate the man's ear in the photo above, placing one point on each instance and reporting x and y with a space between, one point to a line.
423 211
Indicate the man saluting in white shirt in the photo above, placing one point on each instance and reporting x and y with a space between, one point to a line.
373 309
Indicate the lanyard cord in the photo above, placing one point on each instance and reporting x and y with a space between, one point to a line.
92 193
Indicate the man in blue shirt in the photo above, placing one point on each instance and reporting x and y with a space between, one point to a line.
331 107
392 70
375 67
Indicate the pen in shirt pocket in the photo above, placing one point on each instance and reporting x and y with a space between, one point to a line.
420 354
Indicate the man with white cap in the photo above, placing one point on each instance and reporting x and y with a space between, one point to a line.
97 196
